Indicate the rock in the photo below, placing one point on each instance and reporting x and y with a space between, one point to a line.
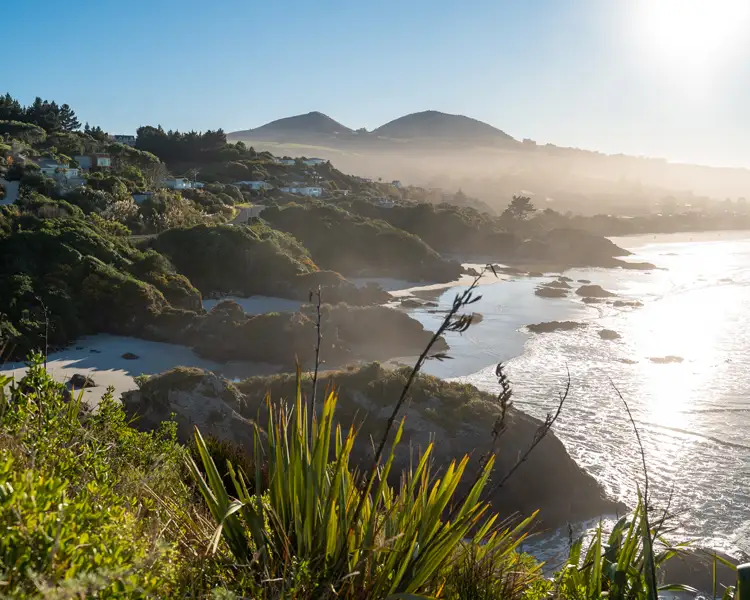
95 351
594 291
79 347
666 360
694 567
592 300
411 303
476 318
551 326
584 281
130 356
550 292
557 284
624 303
459 419
80 382
196 398
627 361
608 334
535 274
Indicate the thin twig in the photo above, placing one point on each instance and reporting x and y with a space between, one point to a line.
317 354
539 435
453 322
650 557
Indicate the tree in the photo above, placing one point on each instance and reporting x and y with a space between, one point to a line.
520 208
68 120
10 109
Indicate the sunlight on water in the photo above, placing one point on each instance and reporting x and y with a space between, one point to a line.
682 364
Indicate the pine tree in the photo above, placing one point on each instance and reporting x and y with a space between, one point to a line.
68 120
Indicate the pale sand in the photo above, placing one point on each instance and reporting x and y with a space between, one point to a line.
107 367
258 305
408 289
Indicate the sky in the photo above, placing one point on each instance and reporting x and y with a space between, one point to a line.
661 78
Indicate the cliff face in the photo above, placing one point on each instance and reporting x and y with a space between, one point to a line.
458 418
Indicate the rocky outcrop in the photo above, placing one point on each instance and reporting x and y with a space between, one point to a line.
349 333
547 292
594 291
627 303
608 334
192 397
459 418
551 326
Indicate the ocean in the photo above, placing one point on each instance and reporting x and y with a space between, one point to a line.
692 410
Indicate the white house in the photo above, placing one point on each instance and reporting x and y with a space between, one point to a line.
303 191
311 162
285 161
128 140
255 185
177 183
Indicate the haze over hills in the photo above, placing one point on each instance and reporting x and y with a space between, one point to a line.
440 150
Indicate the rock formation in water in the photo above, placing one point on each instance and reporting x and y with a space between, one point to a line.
551 326
594 291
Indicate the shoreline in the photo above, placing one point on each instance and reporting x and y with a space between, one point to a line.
101 358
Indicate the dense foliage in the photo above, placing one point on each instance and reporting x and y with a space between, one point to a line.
355 245
93 508
65 277
243 260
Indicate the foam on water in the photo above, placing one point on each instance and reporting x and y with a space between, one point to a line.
692 415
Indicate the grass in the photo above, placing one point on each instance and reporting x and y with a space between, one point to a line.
91 507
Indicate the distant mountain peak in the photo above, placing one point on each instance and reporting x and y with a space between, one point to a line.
436 124
314 122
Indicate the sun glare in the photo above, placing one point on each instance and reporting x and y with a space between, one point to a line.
693 34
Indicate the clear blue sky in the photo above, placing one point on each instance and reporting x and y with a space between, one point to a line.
609 75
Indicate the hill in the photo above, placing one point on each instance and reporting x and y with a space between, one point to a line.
432 124
311 124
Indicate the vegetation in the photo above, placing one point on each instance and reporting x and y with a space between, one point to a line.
361 246
94 508
64 277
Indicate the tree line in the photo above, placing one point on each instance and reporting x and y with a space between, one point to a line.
50 116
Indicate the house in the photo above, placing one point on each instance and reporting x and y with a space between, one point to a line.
254 185
385 202
88 161
142 197
177 183
396 183
50 167
128 140
11 191
312 162
303 191
285 161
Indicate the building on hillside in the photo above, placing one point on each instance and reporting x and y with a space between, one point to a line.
65 185
88 161
284 161
312 162
385 202
254 185
142 197
177 183
312 191
364 179
396 183
128 140
11 191
50 167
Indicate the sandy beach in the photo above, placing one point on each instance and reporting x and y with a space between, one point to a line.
100 357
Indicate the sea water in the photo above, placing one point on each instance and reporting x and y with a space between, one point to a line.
693 413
